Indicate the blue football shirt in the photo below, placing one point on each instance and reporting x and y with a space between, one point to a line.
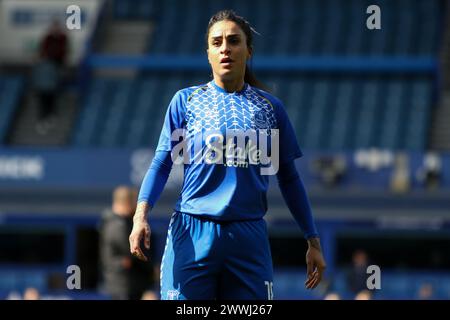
225 190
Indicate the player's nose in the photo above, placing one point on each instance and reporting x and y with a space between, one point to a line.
225 47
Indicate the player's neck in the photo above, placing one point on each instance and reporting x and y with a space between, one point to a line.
230 85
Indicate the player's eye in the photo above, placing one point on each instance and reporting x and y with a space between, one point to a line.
234 40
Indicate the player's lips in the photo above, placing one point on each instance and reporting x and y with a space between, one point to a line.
226 61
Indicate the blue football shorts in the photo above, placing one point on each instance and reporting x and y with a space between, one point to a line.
207 260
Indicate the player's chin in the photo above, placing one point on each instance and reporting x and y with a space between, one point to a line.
227 74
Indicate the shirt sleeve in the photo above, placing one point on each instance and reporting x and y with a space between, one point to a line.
156 178
296 198
174 119
289 148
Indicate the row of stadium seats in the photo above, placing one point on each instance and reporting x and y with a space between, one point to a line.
344 112
328 112
395 284
11 281
126 113
289 27
401 285
10 91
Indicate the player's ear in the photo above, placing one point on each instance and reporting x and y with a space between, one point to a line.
207 53
250 52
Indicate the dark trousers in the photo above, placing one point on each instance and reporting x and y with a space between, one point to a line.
47 104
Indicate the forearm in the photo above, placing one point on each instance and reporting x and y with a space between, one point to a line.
314 242
295 196
141 212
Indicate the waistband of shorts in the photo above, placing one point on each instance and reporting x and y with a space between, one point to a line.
209 218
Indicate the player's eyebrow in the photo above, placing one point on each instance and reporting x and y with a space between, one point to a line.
233 35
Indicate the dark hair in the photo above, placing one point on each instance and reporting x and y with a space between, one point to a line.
230 15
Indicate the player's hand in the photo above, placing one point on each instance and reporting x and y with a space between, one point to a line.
315 263
141 229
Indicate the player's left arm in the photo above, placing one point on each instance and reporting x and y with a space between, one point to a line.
294 193
295 196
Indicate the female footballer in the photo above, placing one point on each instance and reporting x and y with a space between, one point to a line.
217 244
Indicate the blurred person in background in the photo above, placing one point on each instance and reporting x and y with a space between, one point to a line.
125 277
54 45
14 295
332 296
430 173
357 274
31 294
149 295
364 295
426 292
400 177
47 73
217 245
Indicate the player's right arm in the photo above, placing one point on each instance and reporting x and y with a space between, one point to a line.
157 175
151 188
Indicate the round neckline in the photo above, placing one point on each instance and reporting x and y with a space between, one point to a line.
220 89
